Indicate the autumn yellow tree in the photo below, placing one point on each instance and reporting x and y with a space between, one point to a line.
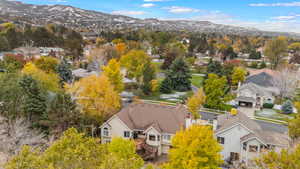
134 61
49 81
194 148
238 75
122 155
286 159
276 50
96 96
47 64
113 72
74 150
121 48
195 102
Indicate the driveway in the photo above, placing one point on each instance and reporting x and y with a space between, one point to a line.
250 112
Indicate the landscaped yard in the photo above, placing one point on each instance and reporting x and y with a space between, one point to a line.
197 80
273 114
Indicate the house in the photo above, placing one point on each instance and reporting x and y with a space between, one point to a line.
152 125
81 73
257 90
243 139
253 95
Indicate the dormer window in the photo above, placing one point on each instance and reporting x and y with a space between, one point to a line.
105 131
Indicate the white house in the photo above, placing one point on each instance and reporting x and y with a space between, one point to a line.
243 139
151 125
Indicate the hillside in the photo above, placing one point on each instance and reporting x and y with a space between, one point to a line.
69 16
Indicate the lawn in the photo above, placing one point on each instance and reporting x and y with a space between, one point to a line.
197 80
273 114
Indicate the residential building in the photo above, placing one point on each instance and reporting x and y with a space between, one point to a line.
243 139
150 124
257 90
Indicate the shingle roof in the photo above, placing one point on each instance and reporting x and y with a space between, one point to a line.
262 91
261 79
268 137
164 118
226 121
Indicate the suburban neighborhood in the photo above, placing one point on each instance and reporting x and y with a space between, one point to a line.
87 89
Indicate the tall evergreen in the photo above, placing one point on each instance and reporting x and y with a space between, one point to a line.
35 102
65 72
179 75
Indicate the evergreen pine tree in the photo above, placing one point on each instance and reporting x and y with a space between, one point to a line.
64 71
165 86
179 75
35 102
287 107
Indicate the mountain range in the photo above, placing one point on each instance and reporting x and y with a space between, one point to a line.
93 21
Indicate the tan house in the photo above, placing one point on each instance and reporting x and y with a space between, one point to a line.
152 125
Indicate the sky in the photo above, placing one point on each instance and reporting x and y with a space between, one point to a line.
269 15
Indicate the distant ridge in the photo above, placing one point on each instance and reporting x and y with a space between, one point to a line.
93 21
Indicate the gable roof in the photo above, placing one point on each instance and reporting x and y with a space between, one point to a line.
227 121
266 70
261 79
254 88
164 118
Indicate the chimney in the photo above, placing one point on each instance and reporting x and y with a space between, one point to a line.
215 124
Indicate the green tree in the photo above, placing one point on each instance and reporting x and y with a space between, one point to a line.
179 75
35 102
276 50
62 113
287 107
194 148
64 71
4 44
148 75
11 94
166 86
214 89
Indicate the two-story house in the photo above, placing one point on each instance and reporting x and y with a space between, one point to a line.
243 138
153 124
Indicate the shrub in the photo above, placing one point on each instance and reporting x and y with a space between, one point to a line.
268 105
287 107
166 86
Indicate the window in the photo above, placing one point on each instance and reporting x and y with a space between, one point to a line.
158 138
253 148
126 134
221 140
167 137
105 132
152 138
245 146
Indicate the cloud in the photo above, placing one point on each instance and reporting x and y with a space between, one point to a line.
287 4
281 18
148 5
130 13
178 9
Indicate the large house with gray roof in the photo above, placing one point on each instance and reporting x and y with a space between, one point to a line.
151 124
257 90
244 139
